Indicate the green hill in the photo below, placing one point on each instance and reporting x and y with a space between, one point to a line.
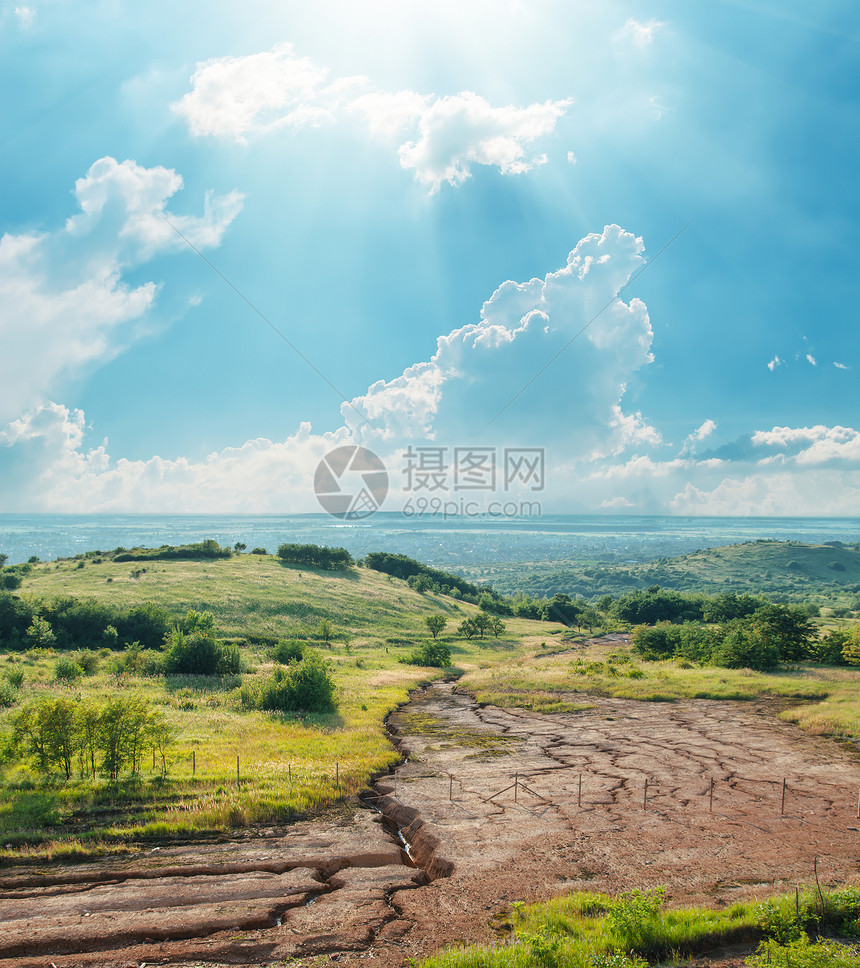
790 571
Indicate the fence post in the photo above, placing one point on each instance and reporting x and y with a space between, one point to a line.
193 763
579 792
337 775
645 795
711 803
782 805
451 787
238 780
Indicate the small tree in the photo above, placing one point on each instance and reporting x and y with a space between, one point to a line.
467 628
497 626
239 547
325 630
40 634
435 624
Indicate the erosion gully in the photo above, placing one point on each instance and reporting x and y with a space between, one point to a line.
488 806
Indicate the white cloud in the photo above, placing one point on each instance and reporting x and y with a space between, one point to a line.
233 96
841 366
241 97
65 303
571 158
774 363
478 368
463 130
807 446
811 359
640 34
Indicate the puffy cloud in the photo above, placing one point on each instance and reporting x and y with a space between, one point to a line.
459 131
45 466
65 303
535 337
811 445
841 366
774 363
238 97
232 96
811 360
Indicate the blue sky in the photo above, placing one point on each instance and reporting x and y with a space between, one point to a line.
429 201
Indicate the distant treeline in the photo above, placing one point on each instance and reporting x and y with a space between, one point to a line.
315 556
435 579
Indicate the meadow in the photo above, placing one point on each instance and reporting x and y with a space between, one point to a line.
227 765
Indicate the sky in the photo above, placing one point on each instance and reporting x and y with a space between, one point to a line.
617 239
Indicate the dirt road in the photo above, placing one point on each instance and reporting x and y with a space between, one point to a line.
498 805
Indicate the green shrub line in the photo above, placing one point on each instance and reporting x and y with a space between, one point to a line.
635 929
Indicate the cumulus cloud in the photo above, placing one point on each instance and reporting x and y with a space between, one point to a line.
65 302
811 360
774 363
251 95
464 130
448 398
471 380
841 366
232 96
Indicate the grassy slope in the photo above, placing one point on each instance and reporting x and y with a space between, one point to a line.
287 765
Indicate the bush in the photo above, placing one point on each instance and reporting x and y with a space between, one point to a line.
15 677
8 694
305 686
286 652
67 670
88 661
437 655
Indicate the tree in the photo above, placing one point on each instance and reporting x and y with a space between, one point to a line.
325 630
3 559
787 627
467 628
483 623
435 624
239 547
40 634
497 626
851 649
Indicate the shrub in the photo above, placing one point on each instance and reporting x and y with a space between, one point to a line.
67 670
304 686
8 694
15 677
88 661
286 652
434 654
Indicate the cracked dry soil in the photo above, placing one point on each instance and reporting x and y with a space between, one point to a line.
491 803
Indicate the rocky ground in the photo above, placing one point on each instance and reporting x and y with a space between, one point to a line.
497 806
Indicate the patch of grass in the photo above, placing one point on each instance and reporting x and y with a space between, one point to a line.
589 930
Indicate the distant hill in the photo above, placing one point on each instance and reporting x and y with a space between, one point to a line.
828 574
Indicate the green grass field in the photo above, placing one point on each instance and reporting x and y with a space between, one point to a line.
287 765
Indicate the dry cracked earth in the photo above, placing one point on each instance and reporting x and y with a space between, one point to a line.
497 805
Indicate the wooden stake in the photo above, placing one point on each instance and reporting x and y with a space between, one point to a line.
337 775
516 785
782 808
711 804
645 796
238 780
193 762
579 792
858 806
290 773
451 787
